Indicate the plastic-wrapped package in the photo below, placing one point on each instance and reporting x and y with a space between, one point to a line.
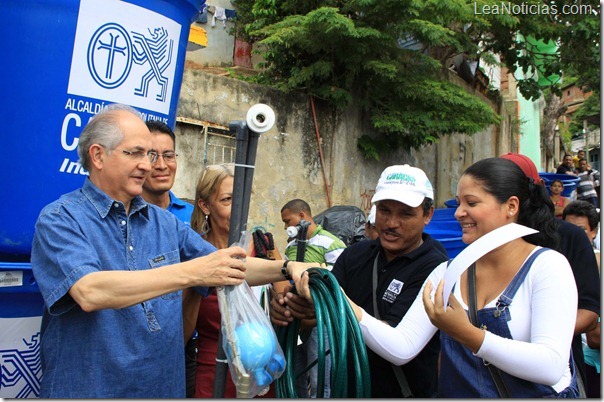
253 353
345 221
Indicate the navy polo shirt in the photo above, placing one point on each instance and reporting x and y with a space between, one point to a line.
399 282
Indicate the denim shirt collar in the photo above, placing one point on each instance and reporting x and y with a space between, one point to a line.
103 203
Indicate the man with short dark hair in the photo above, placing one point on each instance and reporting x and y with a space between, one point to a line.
584 215
158 185
322 245
567 166
400 260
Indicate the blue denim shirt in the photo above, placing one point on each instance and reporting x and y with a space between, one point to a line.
134 352
181 209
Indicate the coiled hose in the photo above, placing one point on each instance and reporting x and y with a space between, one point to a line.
347 348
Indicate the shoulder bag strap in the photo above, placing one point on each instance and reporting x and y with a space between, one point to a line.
495 373
398 371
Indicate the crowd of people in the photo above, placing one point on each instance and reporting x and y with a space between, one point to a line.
588 188
128 273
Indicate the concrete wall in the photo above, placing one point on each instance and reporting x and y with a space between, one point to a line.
288 162
219 51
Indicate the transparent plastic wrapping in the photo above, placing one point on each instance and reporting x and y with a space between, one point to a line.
253 353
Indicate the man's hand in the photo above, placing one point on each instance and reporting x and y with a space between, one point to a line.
299 306
296 268
220 268
278 311
286 306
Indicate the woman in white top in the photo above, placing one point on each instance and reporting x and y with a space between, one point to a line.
529 339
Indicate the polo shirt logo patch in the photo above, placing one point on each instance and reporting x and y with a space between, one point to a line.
394 289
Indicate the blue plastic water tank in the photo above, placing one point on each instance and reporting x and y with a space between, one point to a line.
451 203
21 308
65 60
444 214
448 232
451 240
447 225
570 182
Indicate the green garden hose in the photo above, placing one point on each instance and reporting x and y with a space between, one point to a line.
337 322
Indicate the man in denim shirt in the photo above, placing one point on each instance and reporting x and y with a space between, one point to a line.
157 191
112 268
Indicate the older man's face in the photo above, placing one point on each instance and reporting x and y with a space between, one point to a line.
123 170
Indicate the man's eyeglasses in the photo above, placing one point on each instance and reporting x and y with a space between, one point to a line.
169 157
138 155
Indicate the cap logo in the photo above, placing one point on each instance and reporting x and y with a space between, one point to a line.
402 178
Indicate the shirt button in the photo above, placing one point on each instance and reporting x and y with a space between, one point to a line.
116 205
131 248
123 223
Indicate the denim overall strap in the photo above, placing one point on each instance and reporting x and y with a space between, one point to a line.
508 294
464 375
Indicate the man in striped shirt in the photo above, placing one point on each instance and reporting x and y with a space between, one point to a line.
589 180
322 247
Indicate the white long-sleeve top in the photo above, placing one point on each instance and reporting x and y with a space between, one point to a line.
543 311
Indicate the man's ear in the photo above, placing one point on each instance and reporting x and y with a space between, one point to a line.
429 215
97 155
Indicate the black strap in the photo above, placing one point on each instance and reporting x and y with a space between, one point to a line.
398 371
495 373
259 244
263 244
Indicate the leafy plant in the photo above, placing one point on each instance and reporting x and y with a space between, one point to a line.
393 57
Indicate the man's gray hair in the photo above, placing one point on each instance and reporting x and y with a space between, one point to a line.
103 129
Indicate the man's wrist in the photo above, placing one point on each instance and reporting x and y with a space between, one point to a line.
285 272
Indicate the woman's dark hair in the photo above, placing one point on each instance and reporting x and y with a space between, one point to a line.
503 179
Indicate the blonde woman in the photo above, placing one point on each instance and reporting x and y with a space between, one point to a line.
211 219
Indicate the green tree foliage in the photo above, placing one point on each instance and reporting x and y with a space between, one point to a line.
590 111
393 58
573 25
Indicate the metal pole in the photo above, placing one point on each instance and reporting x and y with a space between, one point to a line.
249 172
245 158
302 240
238 215
260 118
238 219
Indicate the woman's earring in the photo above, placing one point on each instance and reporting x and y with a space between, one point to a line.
205 227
